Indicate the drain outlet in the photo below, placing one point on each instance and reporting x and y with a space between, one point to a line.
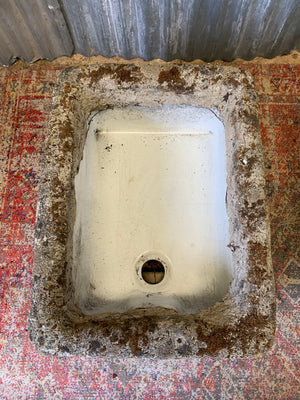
153 272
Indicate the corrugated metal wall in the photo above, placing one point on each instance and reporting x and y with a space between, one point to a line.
32 29
167 29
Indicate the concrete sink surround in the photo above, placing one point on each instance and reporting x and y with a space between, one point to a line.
110 280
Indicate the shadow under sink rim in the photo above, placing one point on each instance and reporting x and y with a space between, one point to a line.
243 324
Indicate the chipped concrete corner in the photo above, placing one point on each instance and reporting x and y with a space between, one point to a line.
243 324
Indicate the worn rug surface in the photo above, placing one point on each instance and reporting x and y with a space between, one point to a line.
25 102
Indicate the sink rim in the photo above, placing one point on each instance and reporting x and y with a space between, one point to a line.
240 326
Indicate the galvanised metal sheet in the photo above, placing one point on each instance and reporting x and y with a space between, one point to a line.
32 29
167 29
185 29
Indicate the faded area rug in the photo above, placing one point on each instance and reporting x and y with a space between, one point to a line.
25 101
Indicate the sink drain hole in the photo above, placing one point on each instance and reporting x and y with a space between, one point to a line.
153 272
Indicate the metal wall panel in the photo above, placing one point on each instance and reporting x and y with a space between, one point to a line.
186 29
32 29
167 29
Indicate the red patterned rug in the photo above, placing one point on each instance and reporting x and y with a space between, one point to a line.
25 100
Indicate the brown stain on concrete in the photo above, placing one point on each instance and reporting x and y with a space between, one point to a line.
172 77
121 73
227 337
121 333
232 82
66 130
136 336
249 118
68 98
245 162
258 258
253 214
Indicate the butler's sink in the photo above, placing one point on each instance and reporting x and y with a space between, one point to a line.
152 236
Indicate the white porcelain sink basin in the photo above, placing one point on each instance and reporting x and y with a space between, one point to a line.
151 186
